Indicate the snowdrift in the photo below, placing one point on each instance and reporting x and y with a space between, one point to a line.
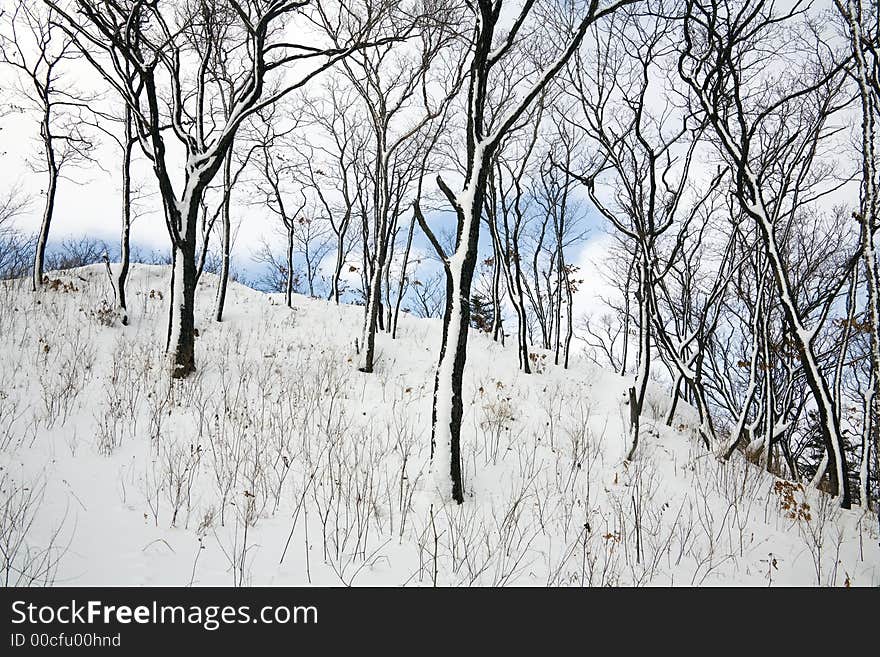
279 463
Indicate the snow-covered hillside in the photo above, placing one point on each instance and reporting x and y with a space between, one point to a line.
278 463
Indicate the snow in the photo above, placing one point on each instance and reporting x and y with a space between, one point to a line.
301 455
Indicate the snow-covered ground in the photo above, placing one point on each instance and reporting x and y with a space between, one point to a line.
278 463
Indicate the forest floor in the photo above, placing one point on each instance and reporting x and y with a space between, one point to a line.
278 463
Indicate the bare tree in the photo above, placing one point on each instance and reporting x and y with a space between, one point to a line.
38 49
428 162
279 274
128 143
311 233
607 330
645 147
428 295
393 82
555 197
277 173
507 207
770 126
483 134
129 195
601 333
78 252
329 167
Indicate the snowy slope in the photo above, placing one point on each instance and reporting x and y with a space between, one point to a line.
280 463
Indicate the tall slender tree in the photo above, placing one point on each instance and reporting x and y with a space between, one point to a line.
39 50
489 50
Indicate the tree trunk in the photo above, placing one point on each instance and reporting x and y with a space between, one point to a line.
49 208
125 238
757 322
867 428
227 236
828 420
569 318
337 271
750 198
288 289
538 306
626 317
560 270
182 217
873 283
497 329
633 423
519 305
373 313
676 389
448 404
769 406
180 349
513 278
637 392
388 306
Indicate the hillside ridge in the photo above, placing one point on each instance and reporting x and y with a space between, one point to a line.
279 463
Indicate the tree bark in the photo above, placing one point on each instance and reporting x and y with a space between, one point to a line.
227 236
373 310
288 288
569 318
737 145
337 270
